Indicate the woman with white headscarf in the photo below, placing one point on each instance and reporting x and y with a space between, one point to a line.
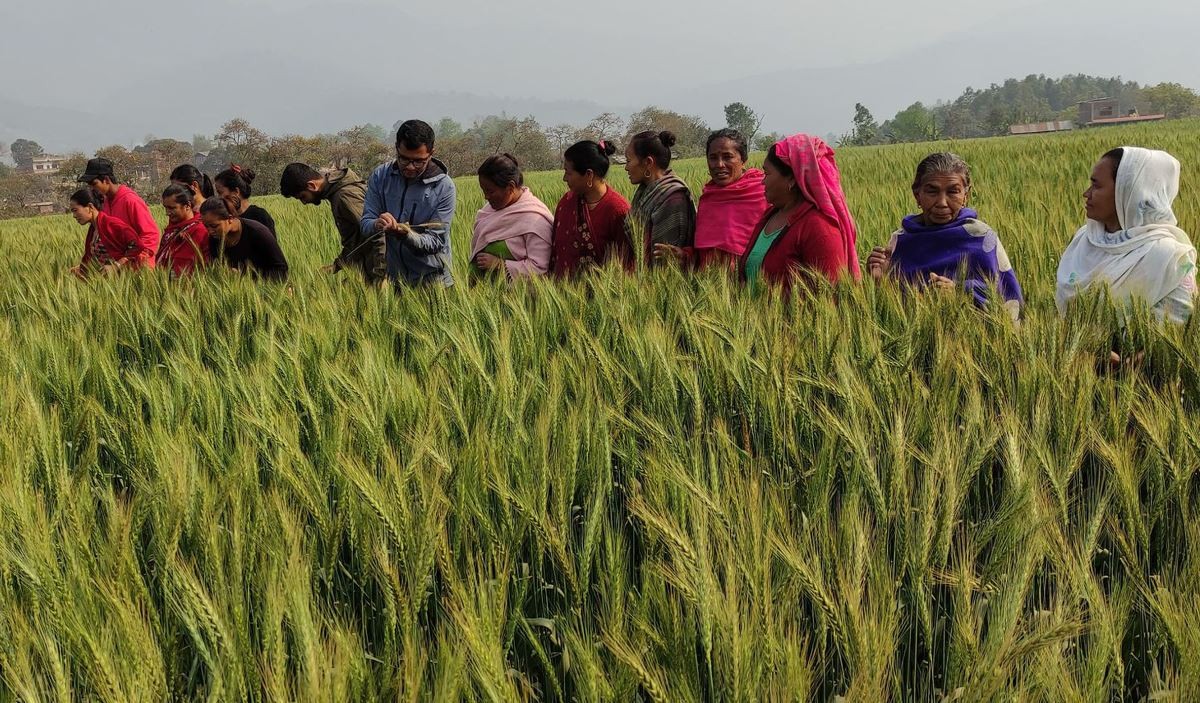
1131 241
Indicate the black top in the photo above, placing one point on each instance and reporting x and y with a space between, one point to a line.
256 251
262 217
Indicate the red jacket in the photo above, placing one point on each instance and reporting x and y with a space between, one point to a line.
810 243
110 240
184 246
127 206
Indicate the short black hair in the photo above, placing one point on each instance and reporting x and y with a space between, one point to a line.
591 156
295 179
414 134
738 139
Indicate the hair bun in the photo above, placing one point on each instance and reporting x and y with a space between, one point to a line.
248 175
607 147
667 137
513 159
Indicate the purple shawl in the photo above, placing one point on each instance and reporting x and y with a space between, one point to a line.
966 250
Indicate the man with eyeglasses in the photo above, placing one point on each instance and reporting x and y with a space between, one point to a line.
410 202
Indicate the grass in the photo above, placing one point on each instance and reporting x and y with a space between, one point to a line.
652 487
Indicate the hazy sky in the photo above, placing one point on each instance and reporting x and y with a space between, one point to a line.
135 67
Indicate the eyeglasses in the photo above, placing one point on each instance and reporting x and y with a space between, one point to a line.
405 163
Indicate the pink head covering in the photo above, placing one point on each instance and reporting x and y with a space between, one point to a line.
817 177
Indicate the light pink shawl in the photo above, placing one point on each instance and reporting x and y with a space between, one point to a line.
526 226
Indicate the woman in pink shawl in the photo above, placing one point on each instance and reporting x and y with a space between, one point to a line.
808 231
513 231
731 205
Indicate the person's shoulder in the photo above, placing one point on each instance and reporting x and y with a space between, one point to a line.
256 227
618 202
380 172
977 227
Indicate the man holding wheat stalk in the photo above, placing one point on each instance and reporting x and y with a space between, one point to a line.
410 202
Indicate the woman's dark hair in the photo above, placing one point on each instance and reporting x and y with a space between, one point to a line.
224 208
774 160
734 136
1115 157
86 196
295 179
655 145
591 156
181 194
502 170
415 134
940 163
189 174
236 179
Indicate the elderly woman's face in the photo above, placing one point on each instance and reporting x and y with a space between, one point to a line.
941 196
1101 197
725 162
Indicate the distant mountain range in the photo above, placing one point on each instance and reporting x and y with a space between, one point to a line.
1101 37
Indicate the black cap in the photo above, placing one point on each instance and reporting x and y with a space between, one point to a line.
97 168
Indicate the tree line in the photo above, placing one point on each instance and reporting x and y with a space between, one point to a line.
1036 98
147 167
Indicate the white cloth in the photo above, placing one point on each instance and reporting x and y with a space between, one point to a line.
1150 258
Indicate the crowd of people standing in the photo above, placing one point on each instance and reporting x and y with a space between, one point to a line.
785 226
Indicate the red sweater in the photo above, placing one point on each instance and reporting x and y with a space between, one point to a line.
600 235
811 243
127 206
184 246
110 240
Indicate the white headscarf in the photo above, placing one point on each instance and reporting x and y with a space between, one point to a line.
1150 257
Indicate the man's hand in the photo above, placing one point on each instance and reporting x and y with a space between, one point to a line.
385 222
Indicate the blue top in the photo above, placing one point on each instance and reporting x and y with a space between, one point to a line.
424 257
754 261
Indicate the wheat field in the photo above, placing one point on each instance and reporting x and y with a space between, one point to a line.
648 488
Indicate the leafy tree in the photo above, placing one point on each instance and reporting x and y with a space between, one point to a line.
916 123
24 151
604 126
866 129
561 136
446 128
19 190
130 167
690 131
364 147
1172 100
764 142
739 116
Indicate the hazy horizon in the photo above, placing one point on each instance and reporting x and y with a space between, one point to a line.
129 68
